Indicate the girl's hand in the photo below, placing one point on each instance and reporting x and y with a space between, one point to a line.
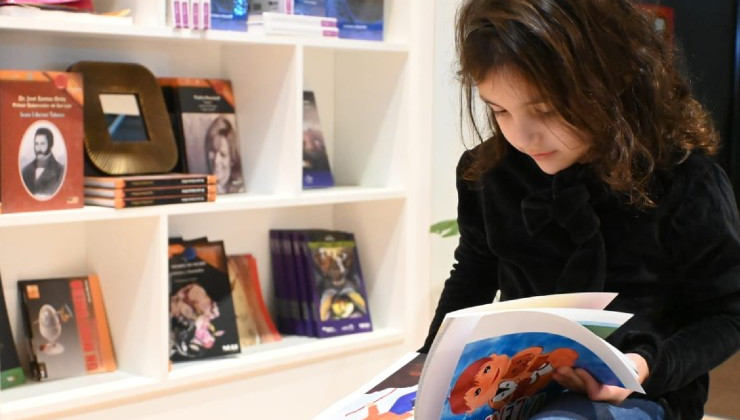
579 380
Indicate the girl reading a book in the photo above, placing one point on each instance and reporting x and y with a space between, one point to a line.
594 173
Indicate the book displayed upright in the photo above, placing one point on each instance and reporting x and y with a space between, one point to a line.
309 7
358 19
202 317
41 140
202 112
11 372
316 170
229 15
66 327
252 317
496 361
320 282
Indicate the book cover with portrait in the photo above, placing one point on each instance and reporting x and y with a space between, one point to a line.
202 318
41 140
66 327
316 169
204 121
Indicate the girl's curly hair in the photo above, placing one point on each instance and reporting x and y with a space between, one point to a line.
605 69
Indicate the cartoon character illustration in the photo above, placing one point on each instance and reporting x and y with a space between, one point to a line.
498 380
338 284
50 326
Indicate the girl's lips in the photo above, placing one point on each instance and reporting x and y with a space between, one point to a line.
538 156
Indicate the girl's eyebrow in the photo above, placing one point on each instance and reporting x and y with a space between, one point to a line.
528 103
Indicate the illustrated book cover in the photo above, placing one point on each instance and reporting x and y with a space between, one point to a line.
338 295
519 344
358 19
389 395
252 317
66 327
41 140
309 7
11 372
202 317
229 15
202 112
316 170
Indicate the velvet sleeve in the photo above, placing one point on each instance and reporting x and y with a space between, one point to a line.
703 239
473 279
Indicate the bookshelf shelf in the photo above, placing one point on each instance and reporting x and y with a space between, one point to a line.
374 100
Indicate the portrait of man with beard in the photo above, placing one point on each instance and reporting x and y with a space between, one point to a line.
44 174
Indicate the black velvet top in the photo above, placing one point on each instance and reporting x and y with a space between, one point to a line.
676 266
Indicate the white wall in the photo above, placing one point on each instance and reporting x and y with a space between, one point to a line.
447 142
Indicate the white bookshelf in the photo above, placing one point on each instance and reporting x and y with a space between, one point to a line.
376 109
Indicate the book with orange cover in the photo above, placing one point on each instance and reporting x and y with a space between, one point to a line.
120 203
41 140
66 327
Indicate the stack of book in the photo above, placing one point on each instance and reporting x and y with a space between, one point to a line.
149 190
271 23
318 283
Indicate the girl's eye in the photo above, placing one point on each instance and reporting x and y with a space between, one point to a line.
498 112
487 369
477 392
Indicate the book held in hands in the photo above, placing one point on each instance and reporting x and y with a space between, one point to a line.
495 361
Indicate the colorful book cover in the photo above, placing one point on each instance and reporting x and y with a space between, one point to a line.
309 7
204 121
358 19
340 297
66 327
41 140
202 317
229 15
497 364
11 372
252 317
390 395
316 170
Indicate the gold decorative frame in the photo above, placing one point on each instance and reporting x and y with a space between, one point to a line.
156 155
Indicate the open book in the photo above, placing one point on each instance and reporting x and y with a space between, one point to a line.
496 361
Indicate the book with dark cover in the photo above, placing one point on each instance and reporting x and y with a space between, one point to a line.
316 170
66 327
150 192
304 283
11 372
202 317
252 317
286 324
149 181
121 203
229 15
290 282
204 121
41 140
358 19
340 298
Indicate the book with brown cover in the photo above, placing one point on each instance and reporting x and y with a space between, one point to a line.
209 189
149 181
120 203
41 140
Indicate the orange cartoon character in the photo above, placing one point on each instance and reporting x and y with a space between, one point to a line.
478 383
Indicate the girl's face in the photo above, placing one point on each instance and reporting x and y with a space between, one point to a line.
531 124
221 161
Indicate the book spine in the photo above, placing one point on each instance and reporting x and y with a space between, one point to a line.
107 358
127 203
303 283
285 324
299 20
299 31
151 182
149 192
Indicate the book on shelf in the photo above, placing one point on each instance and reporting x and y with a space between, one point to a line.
121 193
276 19
309 7
257 7
41 151
253 320
320 283
11 372
202 317
66 327
202 112
149 181
64 14
121 203
316 168
229 15
358 19
281 29
518 344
